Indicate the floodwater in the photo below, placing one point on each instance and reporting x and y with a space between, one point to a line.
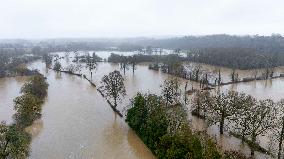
9 89
78 123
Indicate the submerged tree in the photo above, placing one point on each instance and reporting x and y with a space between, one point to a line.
112 87
219 77
124 64
201 103
36 85
14 142
196 71
223 107
57 66
262 117
171 91
234 76
28 108
78 68
241 118
47 58
133 63
91 64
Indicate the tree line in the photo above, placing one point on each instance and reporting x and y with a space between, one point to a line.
14 140
14 65
236 58
243 116
162 123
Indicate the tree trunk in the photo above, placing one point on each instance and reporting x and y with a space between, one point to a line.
243 131
281 140
185 95
219 78
253 139
222 125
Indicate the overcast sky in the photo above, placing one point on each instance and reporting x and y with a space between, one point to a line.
130 18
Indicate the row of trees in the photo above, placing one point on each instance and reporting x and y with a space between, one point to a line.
77 66
14 140
14 65
236 58
131 61
125 61
162 124
242 115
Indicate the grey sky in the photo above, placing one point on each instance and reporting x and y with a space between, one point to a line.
129 18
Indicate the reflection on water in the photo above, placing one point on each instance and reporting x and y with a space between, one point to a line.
35 128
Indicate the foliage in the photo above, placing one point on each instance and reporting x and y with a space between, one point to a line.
279 131
262 118
91 64
201 102
223 107
47 58
28 108
14 142
57 66
112 87
171 91
234 155
96 58
14 65
164 129
36 85
247 117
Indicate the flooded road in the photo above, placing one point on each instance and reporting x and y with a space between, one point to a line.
78 123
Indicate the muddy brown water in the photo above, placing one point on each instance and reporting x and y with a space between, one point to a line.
78 123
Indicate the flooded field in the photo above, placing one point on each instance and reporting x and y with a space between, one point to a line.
78 123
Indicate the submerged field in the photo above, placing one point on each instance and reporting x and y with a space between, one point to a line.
78 123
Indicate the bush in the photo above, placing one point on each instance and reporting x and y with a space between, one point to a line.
37 86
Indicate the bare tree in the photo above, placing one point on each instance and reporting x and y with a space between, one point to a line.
124 64
90 65
78 68
133 62
196 71
171 91
219 77
71 68
255 73
234 76
222 108
261 118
